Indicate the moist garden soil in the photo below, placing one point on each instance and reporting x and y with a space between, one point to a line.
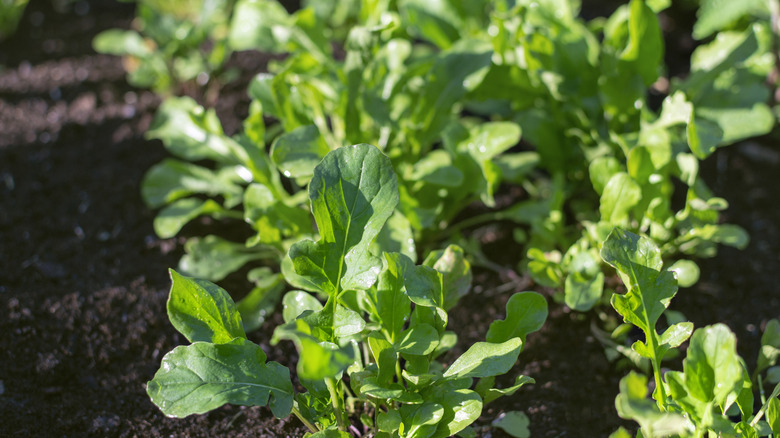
83 278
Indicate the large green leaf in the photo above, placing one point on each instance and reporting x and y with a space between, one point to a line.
773 415
727 88
436 169
424 286
525 313
420 419
770 346
330 433
347 322
485 359
385 357
203 311
638 263
486 141
197 378
601 170
353 192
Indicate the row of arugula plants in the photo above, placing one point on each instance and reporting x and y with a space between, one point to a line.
386 120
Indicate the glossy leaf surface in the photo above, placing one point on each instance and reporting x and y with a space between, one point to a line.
353 192
201 377
203 311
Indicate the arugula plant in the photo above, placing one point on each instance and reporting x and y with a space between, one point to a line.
372 350
318 103
582 99
714 385
428 84
395 92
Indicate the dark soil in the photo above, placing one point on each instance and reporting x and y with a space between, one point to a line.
83 279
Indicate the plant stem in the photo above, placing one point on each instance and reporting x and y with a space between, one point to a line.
312 428
337 402
765 404
656 361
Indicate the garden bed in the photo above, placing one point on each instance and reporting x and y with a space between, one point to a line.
83 278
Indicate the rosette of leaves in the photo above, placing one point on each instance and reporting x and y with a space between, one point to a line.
383 324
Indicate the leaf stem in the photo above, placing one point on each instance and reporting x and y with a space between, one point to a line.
764 405
337 402
656 361
312 428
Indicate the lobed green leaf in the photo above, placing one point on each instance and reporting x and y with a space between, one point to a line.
638 263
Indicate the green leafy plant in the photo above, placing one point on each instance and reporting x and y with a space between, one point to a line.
428 84
373 350
319 103
714 384
602 157
583 100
